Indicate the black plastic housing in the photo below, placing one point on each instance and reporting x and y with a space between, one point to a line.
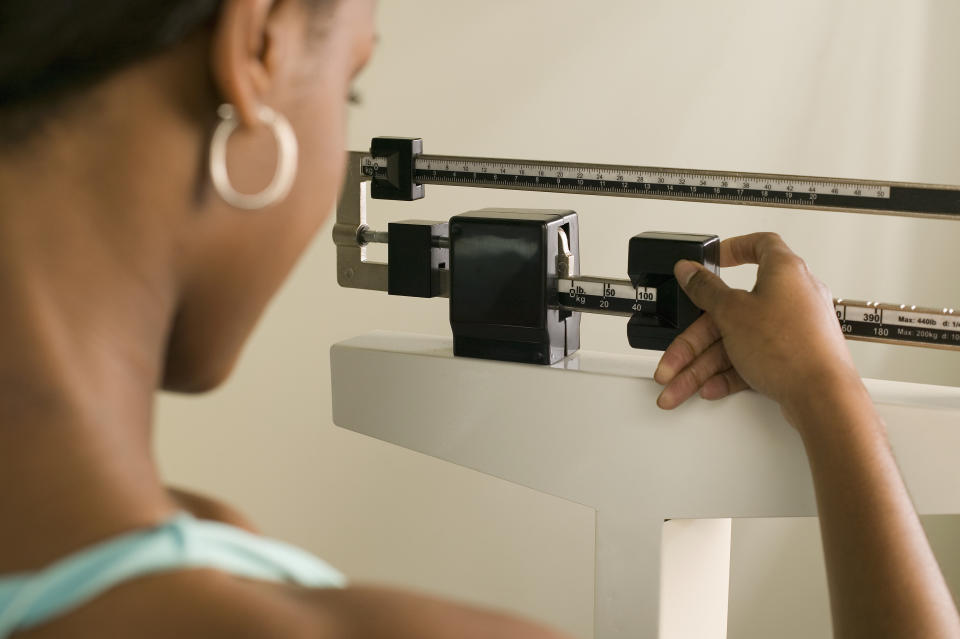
652 257
503 271
413 262
400 155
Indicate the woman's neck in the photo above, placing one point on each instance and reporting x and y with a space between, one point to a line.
75 451
88 292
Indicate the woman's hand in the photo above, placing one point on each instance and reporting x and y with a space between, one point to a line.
782 338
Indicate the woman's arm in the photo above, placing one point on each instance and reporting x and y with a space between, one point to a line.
383 613
884 580
783 339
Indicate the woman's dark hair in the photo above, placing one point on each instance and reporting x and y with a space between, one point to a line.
52 48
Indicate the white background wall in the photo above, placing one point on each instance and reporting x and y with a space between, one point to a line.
847 88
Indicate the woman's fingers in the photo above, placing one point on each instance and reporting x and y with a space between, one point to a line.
749 249
723 384
689 345
691 379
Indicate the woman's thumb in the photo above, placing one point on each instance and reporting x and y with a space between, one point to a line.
704 288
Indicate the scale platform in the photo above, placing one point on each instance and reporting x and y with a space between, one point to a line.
588 430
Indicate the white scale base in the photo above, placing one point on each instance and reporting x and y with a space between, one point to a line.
588 430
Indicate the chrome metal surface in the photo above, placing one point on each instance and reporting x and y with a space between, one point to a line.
353 269
566 260
369 236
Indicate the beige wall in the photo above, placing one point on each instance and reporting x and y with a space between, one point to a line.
838 87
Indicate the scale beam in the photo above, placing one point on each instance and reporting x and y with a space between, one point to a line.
718 187
397 169
860 321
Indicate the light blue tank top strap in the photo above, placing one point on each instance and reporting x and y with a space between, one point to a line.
183 542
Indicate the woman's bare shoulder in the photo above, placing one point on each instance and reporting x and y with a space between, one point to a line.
386 613
188 603
209 604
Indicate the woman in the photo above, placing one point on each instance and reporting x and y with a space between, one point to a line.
132 259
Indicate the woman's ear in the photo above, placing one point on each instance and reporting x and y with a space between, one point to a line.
250 49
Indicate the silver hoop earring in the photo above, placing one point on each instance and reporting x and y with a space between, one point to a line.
286 172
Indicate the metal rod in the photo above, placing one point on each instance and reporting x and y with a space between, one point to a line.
369 236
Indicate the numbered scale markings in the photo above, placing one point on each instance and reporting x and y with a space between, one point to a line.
611 297
899 323
867 321
757 189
